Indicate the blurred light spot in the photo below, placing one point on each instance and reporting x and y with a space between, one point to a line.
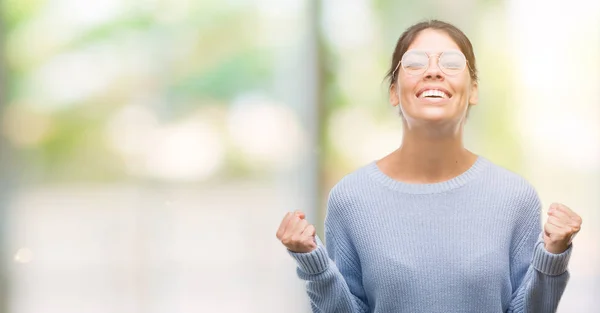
266 132
89 13
172 11
28 44
188 151
237 4
129 131
26 128
564 136
279 22
277 8
556 119
349 24
72 77
23 255
48 31
359 137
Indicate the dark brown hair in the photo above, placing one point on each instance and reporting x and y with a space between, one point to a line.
411 33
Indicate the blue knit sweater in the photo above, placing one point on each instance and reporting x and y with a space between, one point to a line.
469 244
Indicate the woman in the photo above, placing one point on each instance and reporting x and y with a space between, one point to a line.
433 227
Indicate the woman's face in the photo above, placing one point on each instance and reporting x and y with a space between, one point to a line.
433 96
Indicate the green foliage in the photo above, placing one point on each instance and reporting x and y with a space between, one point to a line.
126 23
17 11
244 71
212 58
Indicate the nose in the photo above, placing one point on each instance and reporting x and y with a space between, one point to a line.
433 70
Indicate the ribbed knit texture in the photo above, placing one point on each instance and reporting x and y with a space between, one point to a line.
470 244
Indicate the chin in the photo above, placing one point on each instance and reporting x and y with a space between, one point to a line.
432 114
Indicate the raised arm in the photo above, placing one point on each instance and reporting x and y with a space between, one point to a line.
539 264
334 281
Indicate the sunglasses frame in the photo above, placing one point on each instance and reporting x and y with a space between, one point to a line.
429 55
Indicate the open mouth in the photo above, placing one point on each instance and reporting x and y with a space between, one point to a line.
434 94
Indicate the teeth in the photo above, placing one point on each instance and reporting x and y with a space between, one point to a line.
433 93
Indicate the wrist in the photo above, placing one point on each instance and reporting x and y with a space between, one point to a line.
556 248
548 262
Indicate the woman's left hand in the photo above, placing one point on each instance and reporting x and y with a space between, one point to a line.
560 228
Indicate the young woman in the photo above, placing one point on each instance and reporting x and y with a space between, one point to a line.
433 227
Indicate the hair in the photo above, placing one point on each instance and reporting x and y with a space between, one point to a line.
407 38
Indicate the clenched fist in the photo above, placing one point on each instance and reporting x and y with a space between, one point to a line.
560 228
296 233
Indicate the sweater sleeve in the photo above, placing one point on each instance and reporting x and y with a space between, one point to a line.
539 277
332 273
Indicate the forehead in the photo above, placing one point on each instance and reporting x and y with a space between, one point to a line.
433 40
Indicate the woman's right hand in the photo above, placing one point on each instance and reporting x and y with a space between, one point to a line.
296 233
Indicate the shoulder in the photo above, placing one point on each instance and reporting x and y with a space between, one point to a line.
351 188
356 182
516 189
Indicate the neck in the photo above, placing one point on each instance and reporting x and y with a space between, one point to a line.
428 158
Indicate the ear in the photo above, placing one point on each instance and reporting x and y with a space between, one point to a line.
394 98
474 98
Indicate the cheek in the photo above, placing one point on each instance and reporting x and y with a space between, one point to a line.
406 88
462 85
404 92
461 89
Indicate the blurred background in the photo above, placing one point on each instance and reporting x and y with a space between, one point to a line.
150 148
